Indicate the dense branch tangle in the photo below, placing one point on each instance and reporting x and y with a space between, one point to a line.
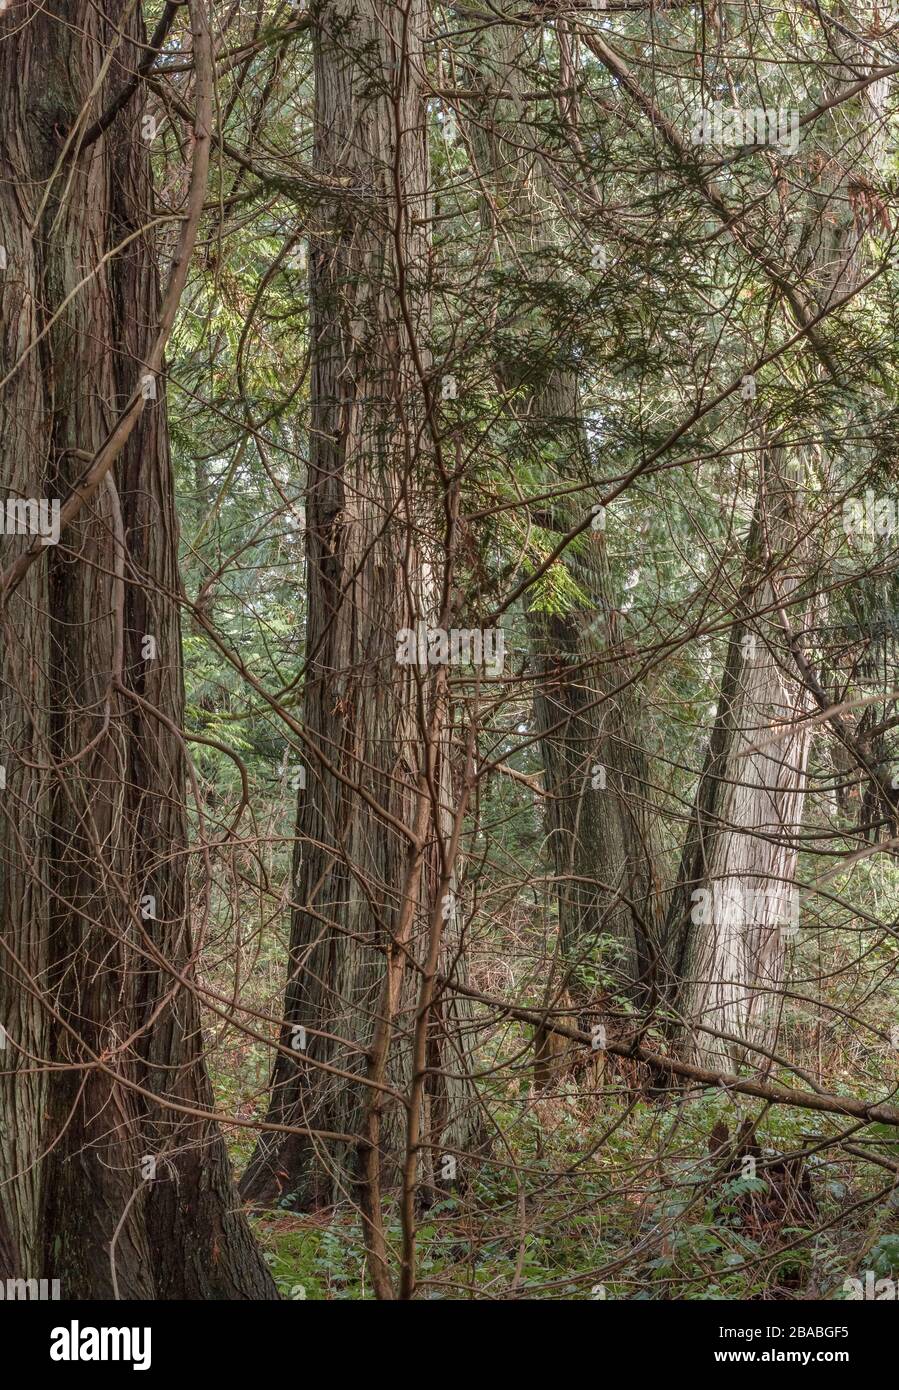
521 368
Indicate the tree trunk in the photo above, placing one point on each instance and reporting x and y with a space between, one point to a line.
363 892
96 988
737 900
737 904
598 808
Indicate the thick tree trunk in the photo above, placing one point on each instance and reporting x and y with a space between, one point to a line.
363 893
737 903
598 801
598 815
95 986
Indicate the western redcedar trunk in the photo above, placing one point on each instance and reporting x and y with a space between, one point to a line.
95 979
598 813
741 855
740 858
374 568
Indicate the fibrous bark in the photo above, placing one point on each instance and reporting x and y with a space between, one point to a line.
363 889
114 1180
